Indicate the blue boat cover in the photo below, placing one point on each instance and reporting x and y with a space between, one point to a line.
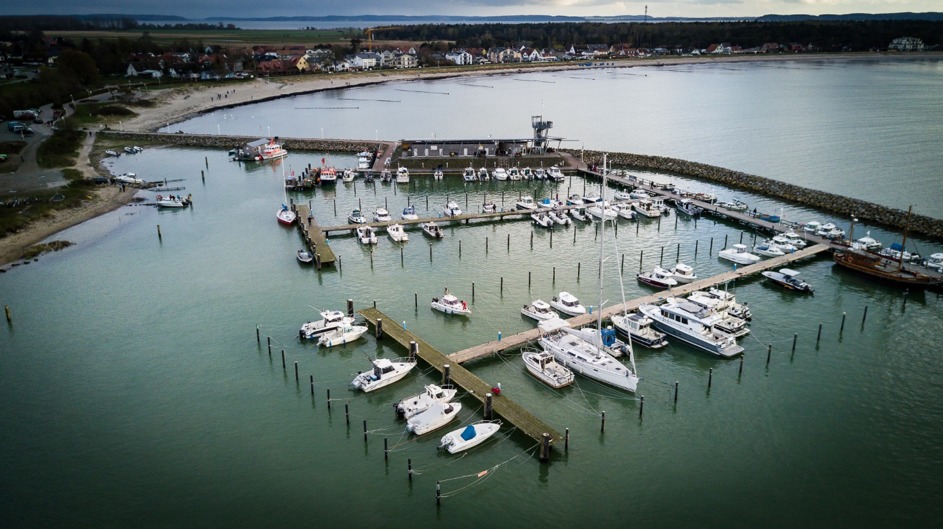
896 246
608 337
469 432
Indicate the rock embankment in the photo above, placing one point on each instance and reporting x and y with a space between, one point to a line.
840 205
229 142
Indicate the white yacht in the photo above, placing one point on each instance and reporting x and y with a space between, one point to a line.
409 213
342 335
738 253
658 278
671 319
683 273
452 209
527 173
432 229
416 404
727 302
468 174
638 328
782 243
544 366
812 226
450 304
356 217
384 373
795 239
500 173
581 215
542 219
539 310
568 304
367 234
397 233
540 174
625 211
514 173
469 436
555 174
767 249
526 202
330 320
381 215
434 417
639 194
711 312
602 211
647 208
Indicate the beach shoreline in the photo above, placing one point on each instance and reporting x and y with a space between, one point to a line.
181 103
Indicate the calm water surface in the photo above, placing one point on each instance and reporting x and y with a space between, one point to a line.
134 392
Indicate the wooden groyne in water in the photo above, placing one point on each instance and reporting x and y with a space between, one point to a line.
511 411
823 200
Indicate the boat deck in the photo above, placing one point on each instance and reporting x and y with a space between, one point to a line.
314 236
517 340
511 411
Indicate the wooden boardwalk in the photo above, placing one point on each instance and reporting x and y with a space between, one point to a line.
517 340
512 412
314 237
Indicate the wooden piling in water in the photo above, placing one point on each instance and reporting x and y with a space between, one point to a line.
710 378
545 447
641 406
489 410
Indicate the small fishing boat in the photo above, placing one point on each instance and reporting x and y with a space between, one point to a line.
624 211
738 253
356 217
469 175
349 176
683 273
527 173
402 175
647 208
489 207
787 278
450 304
736 205
438 174
173 201
539 310
638 328
397 233
602 211
795 239
384 373
726 302
555 174
328 176
540 174
514 173
386 176
686 206
559 217
658 278
483 174
409 213
812 226
526 202
568 304
305 256
432 229
285 216
417 404
542 365
782 243
437 415
581 215
622 195
575 199
381 215
639 194
367 234
500 173
330 320
452 210
342 335
542 219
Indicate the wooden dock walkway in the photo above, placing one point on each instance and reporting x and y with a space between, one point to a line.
511 411
517 340
314 236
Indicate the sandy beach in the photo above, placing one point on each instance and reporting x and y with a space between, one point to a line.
178 104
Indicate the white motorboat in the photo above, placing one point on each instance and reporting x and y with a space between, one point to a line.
342 335
130 179
364 159
935 261
437 415
384 373
794 239
568 304
438 174
539 310
559 217
526 202
781 242
386 176
683 273
327 176
381 215
727 302
581 215
686 206
677 323
602 211
450 304
638 328
367 234
555 174
544 366
622 195
285 216
431 394
468 174
514 173
469 436
624 211
646 207
580 350
173 201
305 256
707 310
540 174
349 176
812 226
575 199
432 229
356 217
738 253
330 320
869 243
452 210
489 207
825 229
639 194
527 173
658 278
402 175
397 233
542 219
767 249
483 174
409 213
835 234
736 205
592 199
787 278
500 173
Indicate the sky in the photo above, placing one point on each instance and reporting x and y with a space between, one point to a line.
656 8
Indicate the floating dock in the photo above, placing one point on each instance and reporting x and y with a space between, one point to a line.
314 236
511 411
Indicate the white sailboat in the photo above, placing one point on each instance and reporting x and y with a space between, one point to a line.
583 351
